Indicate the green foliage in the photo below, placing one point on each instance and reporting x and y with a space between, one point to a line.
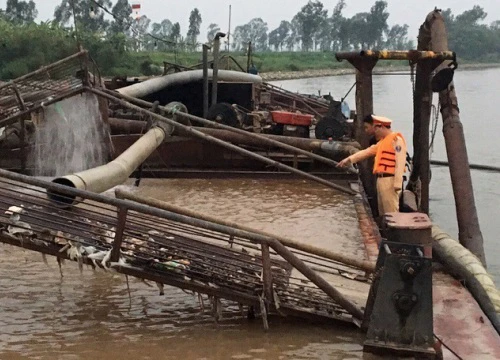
194 28
20 12
89 17
122 46
122 22
311 18
27 47
254 31
470 39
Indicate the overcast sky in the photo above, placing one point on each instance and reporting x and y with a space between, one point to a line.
411 12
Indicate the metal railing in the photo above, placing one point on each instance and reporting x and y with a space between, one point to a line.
150 243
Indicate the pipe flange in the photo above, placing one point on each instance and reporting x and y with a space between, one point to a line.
166 127
175 108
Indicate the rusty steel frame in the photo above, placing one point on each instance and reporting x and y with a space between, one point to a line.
280 249
30 91
270 241
307 102
410 55
44 248
44 69
14 118
22 134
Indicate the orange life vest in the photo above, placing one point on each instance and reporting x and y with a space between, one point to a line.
385 159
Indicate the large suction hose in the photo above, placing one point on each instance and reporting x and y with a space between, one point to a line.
153 85
114 173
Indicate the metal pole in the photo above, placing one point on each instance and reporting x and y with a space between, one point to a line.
422 103
193 132
120 228
472 166
205 80
229 31
249 55
317 280
216 48
469 235
267 276
22 137
364 107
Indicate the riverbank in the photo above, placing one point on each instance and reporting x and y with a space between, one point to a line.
291 75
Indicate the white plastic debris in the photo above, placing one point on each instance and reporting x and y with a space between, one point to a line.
15 212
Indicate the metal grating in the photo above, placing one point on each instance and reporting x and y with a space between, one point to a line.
26 92
157 247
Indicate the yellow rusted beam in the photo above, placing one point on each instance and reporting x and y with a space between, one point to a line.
412 55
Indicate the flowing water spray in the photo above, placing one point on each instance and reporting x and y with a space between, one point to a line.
71 137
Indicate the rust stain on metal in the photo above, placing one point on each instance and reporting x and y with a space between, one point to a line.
369 229
460 323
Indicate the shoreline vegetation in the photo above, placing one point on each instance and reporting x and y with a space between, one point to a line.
274 66
302 47
313 73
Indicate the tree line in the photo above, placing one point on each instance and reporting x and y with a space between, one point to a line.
115 39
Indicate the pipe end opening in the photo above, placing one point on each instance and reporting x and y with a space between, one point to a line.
62 200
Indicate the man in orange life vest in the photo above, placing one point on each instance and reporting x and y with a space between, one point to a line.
389 165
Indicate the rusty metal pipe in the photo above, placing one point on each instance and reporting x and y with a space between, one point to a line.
413 55
215 73
193 132
332 148
422 102
300 145
119 126
114 173
469 235
263 140
205 80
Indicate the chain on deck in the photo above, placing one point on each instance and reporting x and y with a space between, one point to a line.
159 249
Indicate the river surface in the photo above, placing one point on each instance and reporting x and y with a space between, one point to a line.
91 316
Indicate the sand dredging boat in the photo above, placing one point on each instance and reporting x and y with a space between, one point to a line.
63 121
